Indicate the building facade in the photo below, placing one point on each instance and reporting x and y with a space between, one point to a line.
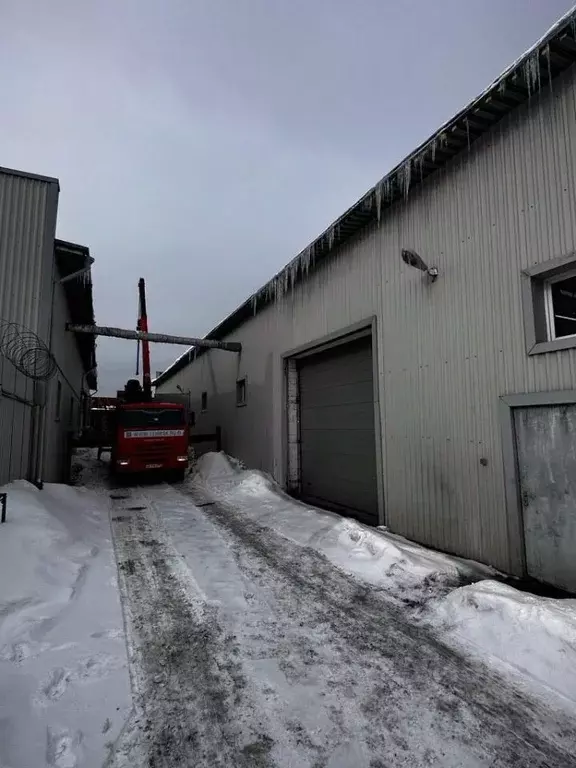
44 369
444 408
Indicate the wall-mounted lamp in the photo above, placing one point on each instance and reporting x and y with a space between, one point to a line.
412 259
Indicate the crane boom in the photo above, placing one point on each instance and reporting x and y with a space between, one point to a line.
159 338
143 327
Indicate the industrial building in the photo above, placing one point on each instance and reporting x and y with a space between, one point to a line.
415 366
45 371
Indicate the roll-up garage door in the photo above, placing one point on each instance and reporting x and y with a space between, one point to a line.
337 440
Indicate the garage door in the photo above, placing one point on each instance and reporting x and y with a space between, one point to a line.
337 444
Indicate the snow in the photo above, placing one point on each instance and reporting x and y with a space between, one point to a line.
531 638
243 639
287 659
63 670
376 556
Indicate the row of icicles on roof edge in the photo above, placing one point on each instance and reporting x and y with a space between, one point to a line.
386 191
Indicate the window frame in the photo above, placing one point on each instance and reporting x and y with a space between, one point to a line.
537 280
204 402
241 387
549 304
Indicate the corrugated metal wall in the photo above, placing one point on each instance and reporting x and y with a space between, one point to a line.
446 351
28 208
62 420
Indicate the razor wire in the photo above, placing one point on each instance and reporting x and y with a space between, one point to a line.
26 351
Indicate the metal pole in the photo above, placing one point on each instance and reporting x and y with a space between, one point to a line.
3 504
159 338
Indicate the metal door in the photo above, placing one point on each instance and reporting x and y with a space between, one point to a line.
337 436
546 451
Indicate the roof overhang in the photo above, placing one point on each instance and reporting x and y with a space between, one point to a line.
71 259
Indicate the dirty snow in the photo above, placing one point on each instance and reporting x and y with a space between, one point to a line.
246 646
248 649
533 638
64 684
376 556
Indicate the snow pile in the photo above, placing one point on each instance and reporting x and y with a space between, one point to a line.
532 636
376 556
62 655
527 636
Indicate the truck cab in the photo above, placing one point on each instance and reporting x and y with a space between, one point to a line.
150 436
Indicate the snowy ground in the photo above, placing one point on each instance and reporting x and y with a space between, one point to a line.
263 633
532 639
64 683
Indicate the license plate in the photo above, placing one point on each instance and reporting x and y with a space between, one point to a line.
153 466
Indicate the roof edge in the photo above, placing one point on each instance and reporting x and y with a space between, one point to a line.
27 175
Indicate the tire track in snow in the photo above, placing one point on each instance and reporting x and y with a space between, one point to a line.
190 701
418 691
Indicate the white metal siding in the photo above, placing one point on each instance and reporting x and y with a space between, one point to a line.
446 351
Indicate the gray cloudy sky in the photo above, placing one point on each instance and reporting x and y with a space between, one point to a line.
203 143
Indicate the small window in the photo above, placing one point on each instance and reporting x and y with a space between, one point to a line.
550 306
241 392
204 402
560 293
58 400
192 419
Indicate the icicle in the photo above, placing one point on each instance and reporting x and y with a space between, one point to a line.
312 249
546 53
532 72
573 26
293 273
406 174
307 258
434 150
254 302
419 164
467 124
386 190
378 199
502 87
443 139
331 237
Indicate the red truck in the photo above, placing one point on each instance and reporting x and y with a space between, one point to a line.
144 435
150 437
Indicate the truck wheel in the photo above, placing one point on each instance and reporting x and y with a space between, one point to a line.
179 475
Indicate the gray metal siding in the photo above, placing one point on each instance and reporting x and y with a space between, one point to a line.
27 227
337 442
71 377
446 351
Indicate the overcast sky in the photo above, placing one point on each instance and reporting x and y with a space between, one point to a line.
202 143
